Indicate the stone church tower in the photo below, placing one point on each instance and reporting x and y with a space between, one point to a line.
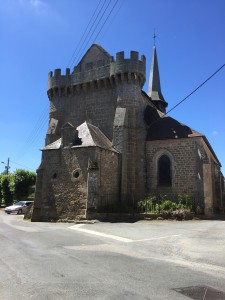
109 142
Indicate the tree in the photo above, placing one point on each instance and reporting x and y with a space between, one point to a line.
0 190
7 195
22 182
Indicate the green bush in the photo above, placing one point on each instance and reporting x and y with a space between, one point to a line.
151 205
7 195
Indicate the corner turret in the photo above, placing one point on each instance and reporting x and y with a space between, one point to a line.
154 87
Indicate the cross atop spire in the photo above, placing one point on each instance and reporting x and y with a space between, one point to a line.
154 37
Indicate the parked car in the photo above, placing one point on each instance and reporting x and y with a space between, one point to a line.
19 207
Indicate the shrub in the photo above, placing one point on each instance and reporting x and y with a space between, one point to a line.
7 195
166 206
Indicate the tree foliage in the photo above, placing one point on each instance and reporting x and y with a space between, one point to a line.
6 193
16 186
21 182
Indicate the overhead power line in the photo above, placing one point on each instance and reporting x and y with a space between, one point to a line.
75 61
21 165
196 89
32 137
106 19
99 14
112 19
72 58
180 102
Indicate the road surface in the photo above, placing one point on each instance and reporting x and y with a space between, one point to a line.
142 260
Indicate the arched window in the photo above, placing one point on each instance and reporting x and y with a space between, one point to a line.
164 171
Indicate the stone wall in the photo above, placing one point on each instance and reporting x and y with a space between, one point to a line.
213 186
68 184
130 134
63 188
186 167
97 101
109 173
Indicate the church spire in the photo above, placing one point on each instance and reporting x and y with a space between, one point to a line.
154 87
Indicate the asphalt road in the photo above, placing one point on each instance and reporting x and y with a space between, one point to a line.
143 260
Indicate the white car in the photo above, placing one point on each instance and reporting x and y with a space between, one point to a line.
19 207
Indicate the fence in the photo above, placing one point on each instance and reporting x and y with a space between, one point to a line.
153 203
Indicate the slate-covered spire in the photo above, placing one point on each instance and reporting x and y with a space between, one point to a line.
154 87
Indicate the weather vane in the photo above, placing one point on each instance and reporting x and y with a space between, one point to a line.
154 37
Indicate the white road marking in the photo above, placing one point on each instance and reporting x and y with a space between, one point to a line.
158 238
110 236
77 227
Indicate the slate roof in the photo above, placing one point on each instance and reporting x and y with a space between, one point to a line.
53 146
154 87
163 127
91 135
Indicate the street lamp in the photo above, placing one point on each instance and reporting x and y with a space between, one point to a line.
7 167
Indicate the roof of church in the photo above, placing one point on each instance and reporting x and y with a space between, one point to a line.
163 127
53 146
91 135
154 87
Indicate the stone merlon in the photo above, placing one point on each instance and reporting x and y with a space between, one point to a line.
118 66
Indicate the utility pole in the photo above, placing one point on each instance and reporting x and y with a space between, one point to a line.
7 167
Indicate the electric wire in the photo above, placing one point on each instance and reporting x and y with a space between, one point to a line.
71 59
113 17
204 82
86 34
21 165
80 50
85 46
106 19
175 106
42 120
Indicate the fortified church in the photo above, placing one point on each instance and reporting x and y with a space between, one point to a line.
108 142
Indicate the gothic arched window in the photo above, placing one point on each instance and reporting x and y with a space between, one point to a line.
164 171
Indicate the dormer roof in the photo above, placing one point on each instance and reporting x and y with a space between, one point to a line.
91 135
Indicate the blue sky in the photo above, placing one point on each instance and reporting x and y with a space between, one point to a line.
38 36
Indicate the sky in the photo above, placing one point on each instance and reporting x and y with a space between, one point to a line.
38 36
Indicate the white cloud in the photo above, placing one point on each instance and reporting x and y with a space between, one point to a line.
215 132
37 3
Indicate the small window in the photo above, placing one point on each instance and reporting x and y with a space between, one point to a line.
89 66
76 174
164 171
54 176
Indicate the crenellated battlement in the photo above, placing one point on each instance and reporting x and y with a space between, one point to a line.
118 66
128 65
